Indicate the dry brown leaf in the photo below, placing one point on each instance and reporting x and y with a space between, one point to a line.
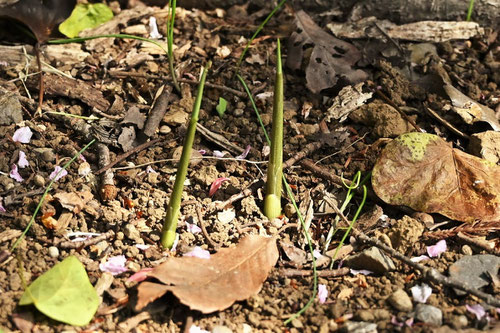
331 58
209 285
424 172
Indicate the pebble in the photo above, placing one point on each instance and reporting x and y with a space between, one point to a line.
238 112
400 301
165 129
133 266
458 322
131 232
221 329
297 323
365 315
53 252
39 181
360 327
289 210
428 314
467 250
371 259
48 155
472 270
120 235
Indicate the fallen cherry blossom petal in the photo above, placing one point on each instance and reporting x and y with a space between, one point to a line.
142 246
82 158
14 174
22 161
360 271
55 175
153 29
420 258
322 293
193 228
216 185
477 310
149 169
421 293
266 150
436 250
114 265
140 275
244 154
22 134
317 254
395 322
218 153
198 252
202 151
2 209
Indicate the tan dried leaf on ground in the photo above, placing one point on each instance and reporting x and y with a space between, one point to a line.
209 285
424 172
331 58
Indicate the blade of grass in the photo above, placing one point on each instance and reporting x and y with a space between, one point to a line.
261 26
299 214
47 189
174 205
172 5
469 11
272 201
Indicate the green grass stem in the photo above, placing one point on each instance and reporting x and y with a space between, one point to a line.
272 200
172 5
174 205
470 10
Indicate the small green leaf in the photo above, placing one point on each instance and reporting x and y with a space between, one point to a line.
64 293
85 16
221 107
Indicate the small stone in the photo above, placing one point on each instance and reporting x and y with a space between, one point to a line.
371 259
428 314
238 112
165 129
289 210
48 155
120 235
359 327
336 310
226 216
246 328
467 250
131 232
53 252
400 301
133 266
297 323
177 117
473 270
266 118
39 181
381 314
458 322
11 111
365 315
221 329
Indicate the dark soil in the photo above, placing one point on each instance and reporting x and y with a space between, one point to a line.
128 75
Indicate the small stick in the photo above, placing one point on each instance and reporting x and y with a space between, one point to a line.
447 124
478 243
127 154
42 87
158 110
290 272
310 147
85 243
108 190
204 230
324 173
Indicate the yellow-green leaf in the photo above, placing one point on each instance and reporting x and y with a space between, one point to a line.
85 16
64 293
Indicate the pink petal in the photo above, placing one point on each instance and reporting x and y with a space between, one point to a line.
421 293
477 310
361 271
202 151
420 258
2 209
198 252
140 275
436 250
149 169
216 185
395 322
193 228
317 254
114 265
14 174
322 293
22 135
82 158
22 162
218 153
244 154
55 174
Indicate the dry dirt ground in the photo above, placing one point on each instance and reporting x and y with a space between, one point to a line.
116 81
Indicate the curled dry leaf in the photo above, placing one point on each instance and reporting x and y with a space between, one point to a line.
424 172
209 285
40 16
331 58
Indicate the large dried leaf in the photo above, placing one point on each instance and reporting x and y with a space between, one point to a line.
209 285
424 172
41 16
331 58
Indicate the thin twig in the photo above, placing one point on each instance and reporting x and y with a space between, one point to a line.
85 243
127 154
291 272
204 230
309 148
478 243
447 124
